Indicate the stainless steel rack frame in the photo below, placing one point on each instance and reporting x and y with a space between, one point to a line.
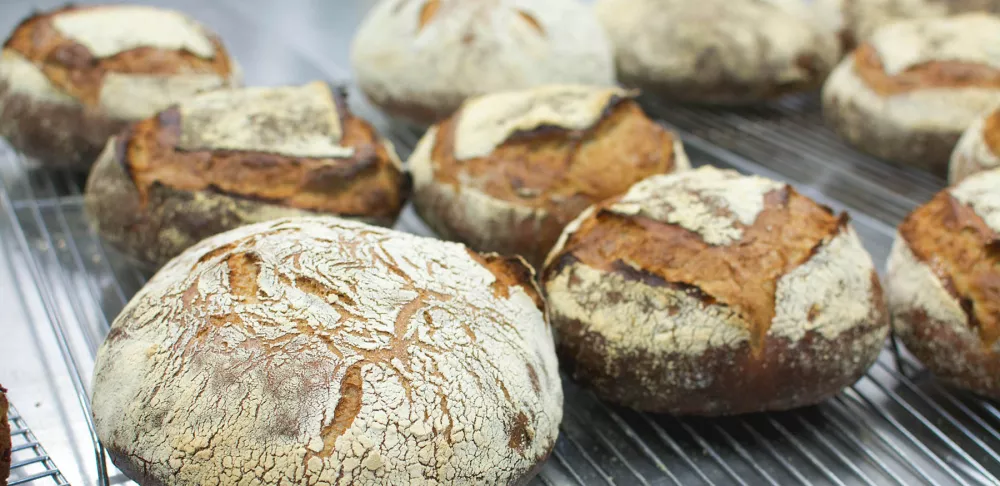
30 464
897 425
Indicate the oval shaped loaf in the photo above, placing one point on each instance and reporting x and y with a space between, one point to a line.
943 284
228 158
72 77
718 51
978 148
324 351
510 170
418 60
907 94
712 293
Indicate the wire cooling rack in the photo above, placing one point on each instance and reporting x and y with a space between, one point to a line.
30 464
897 425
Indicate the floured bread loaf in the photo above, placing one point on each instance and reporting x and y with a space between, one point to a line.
943 284
711 293
323 351
419 59
863 17
978 149
72 77
718 51
231 157
510 170
908 93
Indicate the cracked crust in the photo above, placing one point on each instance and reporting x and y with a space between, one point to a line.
943 284
718 51
861 18
151 199
917 116
321 351
60 101
658 314
5 442
510 170
473 47
977 150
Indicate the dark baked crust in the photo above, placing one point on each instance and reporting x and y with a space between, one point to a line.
551 170
765 372
5 442
72 135
152 201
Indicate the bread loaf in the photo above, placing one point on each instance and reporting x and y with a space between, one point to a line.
718 51
863 17
978 148
908 93
72 77
324 351
711 293
227 158
943 284
418 60
5 439
510 170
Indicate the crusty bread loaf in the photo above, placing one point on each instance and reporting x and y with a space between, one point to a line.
510 170
863 17
72 77
5 439
943 284
978 148
718 51
418 60
232 157
324 351
710 293
908 93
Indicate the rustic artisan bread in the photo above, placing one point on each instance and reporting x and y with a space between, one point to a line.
943 284
419 59
718 51
711 293
908 93
863 17
510 170
978 148
232 157
72 77
323 351
5 440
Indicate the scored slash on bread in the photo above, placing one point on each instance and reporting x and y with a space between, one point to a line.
712 293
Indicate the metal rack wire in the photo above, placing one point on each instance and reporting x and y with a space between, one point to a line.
30 464
895 426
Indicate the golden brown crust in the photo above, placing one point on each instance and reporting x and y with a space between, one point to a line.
73 69
963 252
554 171
743 276
366 185
936 74
991 132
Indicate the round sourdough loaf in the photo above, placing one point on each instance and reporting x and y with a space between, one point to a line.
908 93
712 293
510 170
232 157
72 77
418 60
863 17
324 351
718 51
943 284
978 149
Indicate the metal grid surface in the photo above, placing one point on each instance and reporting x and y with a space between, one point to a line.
30 464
